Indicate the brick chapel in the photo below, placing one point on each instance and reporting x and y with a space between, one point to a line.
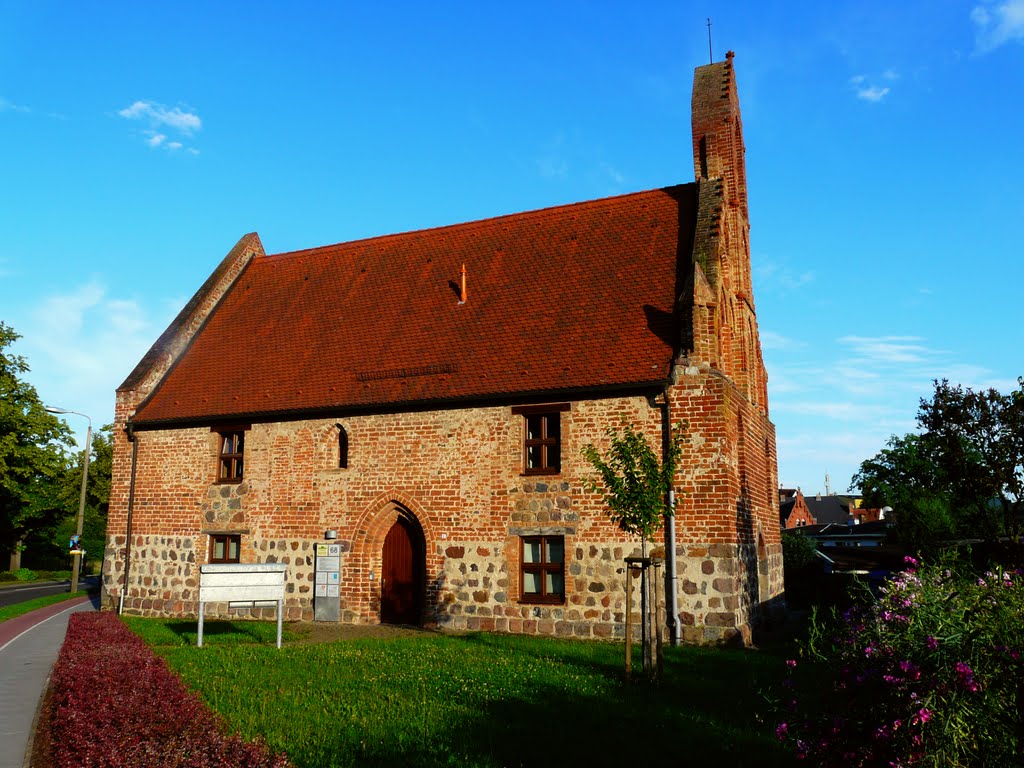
422 401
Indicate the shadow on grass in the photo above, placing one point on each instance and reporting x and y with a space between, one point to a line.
639 725
161 632
709 706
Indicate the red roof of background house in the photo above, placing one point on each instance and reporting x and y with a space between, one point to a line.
568 298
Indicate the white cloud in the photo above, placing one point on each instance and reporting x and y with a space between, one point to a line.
773 340
997 24
778 277
867 90
162 120
613 174
9 106
81 345
552 167
890 349
872 93
158 114
838 411
891 74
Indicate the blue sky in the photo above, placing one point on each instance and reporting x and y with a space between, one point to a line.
885 157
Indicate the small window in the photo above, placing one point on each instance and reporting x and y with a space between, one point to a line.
342 448
542 439
543 570
230 463
225 547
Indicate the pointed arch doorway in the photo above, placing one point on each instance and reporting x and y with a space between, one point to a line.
403 572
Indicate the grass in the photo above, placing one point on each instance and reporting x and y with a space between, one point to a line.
475 699
10 611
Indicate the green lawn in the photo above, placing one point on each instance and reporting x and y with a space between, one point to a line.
476 699
10 611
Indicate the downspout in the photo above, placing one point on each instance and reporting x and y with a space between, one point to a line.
672 603
130 430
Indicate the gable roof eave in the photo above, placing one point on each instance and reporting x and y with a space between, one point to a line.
496 399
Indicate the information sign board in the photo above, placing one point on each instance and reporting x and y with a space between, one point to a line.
327 583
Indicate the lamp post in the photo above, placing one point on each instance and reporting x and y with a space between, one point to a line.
76 563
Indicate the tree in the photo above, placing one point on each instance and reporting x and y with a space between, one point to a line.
634 482
904 476
32 452
634 486
963 475
97 495
976 441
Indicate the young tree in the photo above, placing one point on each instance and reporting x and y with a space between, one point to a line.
32 452
634 484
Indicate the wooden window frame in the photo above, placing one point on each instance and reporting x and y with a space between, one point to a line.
550 447
234 461
542 569
228 539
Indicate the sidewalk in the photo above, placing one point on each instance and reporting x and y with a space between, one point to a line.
28 648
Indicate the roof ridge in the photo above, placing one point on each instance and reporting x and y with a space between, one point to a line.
536 212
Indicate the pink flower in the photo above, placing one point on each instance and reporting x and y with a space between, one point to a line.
781 731
931 643
791 663
923 715
966 675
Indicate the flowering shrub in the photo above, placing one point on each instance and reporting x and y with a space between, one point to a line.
115 704
929 674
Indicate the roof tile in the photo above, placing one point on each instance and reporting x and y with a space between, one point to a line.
573 297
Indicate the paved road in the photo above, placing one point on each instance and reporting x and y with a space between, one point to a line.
19 594
28 648
14 595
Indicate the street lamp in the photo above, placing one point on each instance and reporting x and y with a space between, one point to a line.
76 563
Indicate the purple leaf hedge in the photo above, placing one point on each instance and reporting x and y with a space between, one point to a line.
114 703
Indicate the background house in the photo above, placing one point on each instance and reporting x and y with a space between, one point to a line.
425 398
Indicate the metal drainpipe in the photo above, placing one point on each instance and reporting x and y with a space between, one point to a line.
130 430
670 537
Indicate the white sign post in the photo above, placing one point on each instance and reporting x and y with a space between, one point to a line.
242 585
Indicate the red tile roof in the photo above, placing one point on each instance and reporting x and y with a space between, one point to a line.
571 298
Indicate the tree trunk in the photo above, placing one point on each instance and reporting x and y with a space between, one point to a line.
16 556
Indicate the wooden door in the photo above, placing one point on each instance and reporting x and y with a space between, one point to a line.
402 585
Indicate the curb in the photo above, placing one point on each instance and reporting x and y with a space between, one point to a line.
30 746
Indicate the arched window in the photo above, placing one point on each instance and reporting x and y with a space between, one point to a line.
342 447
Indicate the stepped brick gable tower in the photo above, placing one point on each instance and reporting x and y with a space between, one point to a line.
416 405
